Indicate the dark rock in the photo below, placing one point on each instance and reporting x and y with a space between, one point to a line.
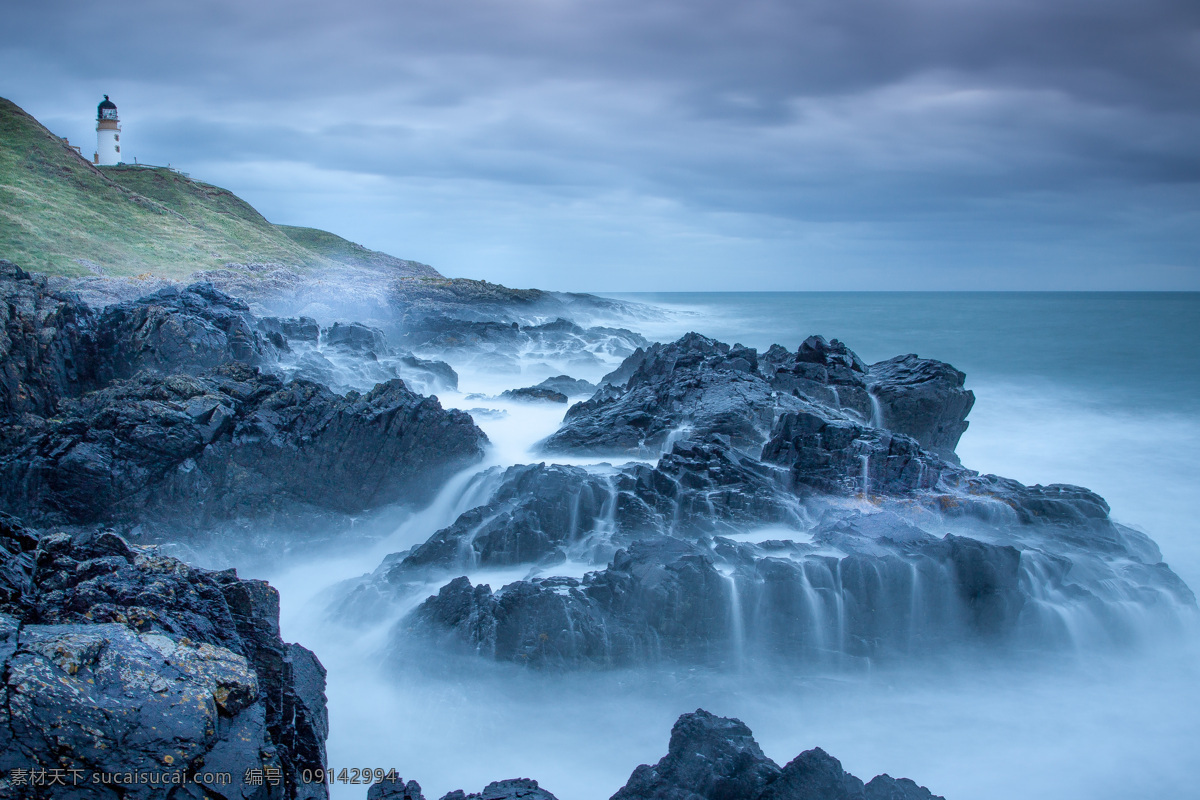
832 455
511 789
232 443
436 372
864 584
17 553
716 758
356 338
422 300
827 372
535 394
179 330
664 598
397 789
695 385
707 386
709 758
540 512
885 787
565 384
117 659
47 344
297 329
924 399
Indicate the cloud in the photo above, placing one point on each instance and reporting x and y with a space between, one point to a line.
918 143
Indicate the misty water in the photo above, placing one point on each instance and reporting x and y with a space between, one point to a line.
1097 390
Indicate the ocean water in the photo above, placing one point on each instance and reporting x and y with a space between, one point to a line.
1095 389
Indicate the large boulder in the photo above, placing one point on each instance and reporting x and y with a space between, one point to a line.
699 386
565 384
694 387
716 758
230 443
708 758
47 344
179 330
395 788
535 394
356 338
119 660
924 399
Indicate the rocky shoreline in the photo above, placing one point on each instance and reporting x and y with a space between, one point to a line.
186 414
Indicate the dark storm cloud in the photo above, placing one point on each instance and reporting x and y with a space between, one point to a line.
935 123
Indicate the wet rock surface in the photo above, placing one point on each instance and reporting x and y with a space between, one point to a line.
118 660
698 386
792 508
924 399
551 513
511 789
47 345
155 409
878 548
229 443
535 394
565 384
176 330
708 758
695 386
713 758
350 356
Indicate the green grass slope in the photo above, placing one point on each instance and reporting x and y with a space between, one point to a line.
343 251
61 215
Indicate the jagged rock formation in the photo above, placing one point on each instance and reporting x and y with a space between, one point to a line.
548 514
708 758
511 789
715 758
535 394
697 386
828 372
879 548
188 441
565 384
119 660
178 330
924 399
231 443
47 349
831 454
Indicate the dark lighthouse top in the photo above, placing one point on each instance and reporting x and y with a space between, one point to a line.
107 109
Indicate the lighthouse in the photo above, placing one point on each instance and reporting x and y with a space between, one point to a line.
108 134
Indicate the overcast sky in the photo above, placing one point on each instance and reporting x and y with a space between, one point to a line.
673 145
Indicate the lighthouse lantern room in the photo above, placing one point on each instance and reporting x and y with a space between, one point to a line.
108 134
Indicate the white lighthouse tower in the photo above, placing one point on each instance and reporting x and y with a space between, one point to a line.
108 134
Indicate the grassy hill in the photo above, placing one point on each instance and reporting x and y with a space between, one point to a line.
61 215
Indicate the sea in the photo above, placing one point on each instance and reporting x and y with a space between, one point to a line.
1096 389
